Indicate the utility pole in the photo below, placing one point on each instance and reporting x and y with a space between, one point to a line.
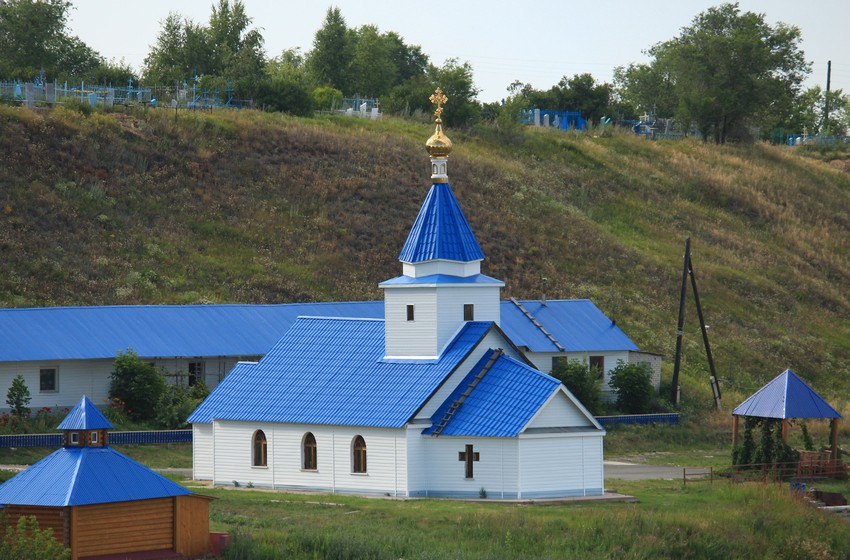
674 398
826 97
688 271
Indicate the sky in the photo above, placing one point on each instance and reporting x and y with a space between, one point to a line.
536 43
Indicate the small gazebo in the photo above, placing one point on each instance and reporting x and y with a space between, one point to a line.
101 502
788 397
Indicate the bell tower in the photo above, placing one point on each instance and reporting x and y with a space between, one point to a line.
441 286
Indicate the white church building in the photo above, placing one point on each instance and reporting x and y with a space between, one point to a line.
432 400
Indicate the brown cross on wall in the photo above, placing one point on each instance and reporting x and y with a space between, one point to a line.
468 456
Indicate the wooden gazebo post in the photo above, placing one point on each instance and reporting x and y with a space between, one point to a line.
734 430
833 455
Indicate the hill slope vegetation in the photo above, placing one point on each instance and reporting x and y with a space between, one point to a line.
156 207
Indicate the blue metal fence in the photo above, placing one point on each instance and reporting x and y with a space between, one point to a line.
640 419
115 438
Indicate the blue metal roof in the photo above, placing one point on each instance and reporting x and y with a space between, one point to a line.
84 416
435 279
503 402
77 333
441 231
577 324
331 371
74 476
203 414
786 396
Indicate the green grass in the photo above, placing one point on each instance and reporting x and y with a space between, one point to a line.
701 521
154 456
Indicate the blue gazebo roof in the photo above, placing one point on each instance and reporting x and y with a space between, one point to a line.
85 416
787 396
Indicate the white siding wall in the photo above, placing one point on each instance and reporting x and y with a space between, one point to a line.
452 268
91 377
543 362
450 302
232 448
560 465
74 379
559 412
492 340
385 458
410 338
495 471
202 451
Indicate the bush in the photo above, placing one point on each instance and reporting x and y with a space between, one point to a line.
177 404
633 385
18 397
582 382
138 384
285 96
27 541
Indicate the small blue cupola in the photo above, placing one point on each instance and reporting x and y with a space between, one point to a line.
85 426
441 286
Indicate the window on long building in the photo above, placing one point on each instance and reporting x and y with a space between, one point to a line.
597 365
310 457
358 455
260 450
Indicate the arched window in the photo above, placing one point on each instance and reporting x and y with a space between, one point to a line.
260 452
309 452
358 455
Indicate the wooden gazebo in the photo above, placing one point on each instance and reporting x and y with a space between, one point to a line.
100 502
788 397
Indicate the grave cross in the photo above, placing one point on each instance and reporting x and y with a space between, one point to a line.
468 456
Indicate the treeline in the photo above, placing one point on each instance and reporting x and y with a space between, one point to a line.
725 75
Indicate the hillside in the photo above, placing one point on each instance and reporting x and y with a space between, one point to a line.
152 207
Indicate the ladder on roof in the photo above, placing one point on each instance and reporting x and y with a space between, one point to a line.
537 324
447 417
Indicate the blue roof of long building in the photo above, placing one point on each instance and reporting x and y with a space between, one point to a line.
85 416
502 403
68 333
441 231
786 396
576 324
332 371
74 476
78 333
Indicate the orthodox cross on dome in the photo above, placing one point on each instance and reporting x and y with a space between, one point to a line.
439 99
438 145
468 457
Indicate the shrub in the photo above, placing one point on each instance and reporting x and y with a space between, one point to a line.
18 397
138 384
582 382
27 541
633 385
177 404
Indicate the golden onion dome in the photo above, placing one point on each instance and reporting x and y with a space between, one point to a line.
438 145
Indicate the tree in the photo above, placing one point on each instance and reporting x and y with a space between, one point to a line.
138 384
331 55
33 37
456 81
582 382
18 397
647 88
728 70
225 50
633 385
372 72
